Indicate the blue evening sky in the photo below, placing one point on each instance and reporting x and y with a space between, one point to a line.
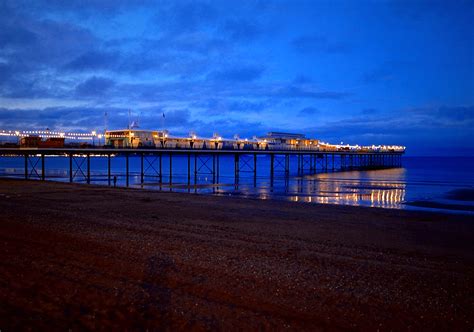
361 72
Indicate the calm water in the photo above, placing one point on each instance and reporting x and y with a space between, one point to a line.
440 183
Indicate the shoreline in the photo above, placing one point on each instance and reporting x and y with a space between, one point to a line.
436 206
91 257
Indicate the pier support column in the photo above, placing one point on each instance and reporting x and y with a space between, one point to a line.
109 172
272 167
315 164
88 168
218 168
236 165
161 167
43 174
254 169
70 168
126 169
189 168
287 164
299 164
26 166
171 170
142 174
195 167
213 168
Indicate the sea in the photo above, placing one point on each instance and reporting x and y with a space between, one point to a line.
443 184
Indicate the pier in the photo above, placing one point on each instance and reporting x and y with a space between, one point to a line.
199 162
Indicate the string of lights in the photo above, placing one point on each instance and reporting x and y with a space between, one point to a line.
298 144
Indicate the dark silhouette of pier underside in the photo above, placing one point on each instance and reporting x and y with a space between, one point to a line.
201 161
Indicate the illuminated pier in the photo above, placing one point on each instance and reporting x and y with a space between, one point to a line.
136 138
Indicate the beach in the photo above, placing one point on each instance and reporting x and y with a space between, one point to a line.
92 257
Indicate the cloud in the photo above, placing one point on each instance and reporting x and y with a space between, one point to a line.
246 105
241 29
459 113
184 16
308 111
57 118
184 55
85 119
94 86
237 74
216 106
302 79
89 118
451 116
197 90
377 75
93 60
13 35
200 42
84 8
421 129
228 128
419 10
5 73
33 45
177 119
316 43
369 111
297 91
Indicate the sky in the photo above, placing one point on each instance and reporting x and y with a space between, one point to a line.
358 72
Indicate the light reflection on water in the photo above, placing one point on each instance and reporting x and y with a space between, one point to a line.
421 179
349 188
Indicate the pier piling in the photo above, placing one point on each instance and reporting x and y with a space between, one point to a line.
206 162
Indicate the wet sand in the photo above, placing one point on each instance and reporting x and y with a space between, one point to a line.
88 257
